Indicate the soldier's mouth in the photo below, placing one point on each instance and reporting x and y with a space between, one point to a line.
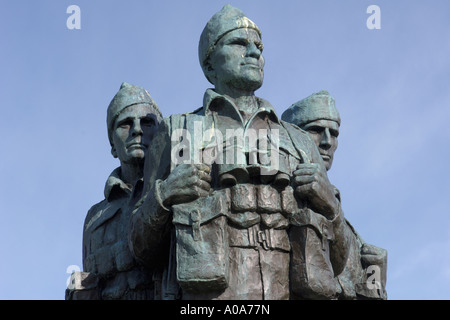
252 65
136 146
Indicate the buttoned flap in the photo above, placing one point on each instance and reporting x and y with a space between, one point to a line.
307 217
244 219
243 197
268 199
274 220
289 205
202 210
104 214
202 256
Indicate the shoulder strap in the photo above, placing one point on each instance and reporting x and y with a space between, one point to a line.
294 134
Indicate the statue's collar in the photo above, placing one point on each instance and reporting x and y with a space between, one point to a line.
211 96
115 186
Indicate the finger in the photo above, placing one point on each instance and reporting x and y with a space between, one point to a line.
303 180
304 171
203 185
204 176
189 182
186 170
304 190
201 192
306 165
203 167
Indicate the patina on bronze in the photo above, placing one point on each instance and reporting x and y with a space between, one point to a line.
232 230
110 270
225 202
317 114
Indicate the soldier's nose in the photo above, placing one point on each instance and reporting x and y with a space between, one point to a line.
253 51
325 142
137 129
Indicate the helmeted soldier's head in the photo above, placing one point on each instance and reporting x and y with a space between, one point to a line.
318 115
230 51
132 120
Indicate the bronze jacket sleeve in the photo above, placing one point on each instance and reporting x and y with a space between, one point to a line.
150 221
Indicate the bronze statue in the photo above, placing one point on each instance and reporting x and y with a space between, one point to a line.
317 114
110 271
240 206
227 201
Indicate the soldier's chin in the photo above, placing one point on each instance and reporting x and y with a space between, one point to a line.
252 83
137 156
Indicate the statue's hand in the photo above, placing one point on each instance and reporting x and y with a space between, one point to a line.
373 255
186 183
312 185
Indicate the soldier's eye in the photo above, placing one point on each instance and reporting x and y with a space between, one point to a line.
334 133
239 42
148 122
124 125
315 129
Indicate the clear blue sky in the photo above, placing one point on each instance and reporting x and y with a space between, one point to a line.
391 87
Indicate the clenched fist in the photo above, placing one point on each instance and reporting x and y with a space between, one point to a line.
313 186
186 183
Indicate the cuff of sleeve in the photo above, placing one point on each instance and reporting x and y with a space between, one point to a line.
337 216
158 194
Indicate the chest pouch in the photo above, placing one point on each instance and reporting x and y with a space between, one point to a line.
202 244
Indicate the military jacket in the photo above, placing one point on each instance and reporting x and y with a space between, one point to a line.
233 244
105 246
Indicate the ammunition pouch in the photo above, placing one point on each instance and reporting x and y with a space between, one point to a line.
311 271
202 244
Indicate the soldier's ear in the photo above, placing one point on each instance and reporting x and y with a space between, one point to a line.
210 73
114 152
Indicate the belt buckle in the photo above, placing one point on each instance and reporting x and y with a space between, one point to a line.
263 237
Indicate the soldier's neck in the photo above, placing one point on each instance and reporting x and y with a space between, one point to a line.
131 173
245 101
247 104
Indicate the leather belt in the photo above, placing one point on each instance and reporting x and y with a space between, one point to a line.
255 237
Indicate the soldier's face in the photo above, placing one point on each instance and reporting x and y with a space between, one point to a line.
325 135
134 129
237 60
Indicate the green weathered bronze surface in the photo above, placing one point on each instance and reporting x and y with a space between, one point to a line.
266 225
317 114
109 269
